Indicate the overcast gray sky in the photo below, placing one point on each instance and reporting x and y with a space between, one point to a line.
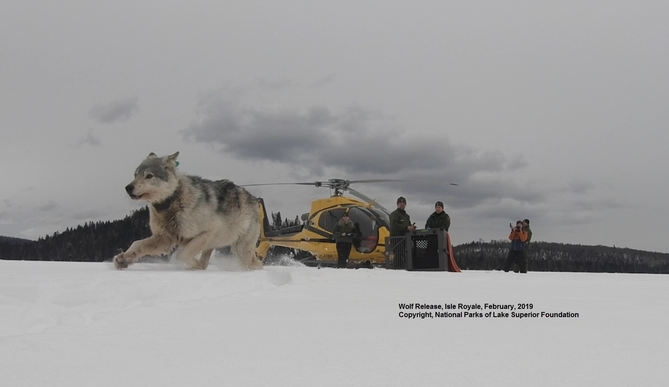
555 111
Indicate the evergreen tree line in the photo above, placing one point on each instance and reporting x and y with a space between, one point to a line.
100 241
546 256
279 223
92 242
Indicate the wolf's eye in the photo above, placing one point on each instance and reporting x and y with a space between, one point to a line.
149 176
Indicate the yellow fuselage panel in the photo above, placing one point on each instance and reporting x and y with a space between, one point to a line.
319 245
336 201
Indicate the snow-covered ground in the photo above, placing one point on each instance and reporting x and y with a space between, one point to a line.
87 324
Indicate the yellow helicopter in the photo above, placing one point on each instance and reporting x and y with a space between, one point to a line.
314 235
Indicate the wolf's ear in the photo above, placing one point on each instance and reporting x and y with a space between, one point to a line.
172 161
151 156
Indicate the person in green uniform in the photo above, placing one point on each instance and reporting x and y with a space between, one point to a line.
400 224
439 218
400 221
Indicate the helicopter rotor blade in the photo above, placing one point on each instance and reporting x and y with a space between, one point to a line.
316 184
366 198
344 184
360 195
399 180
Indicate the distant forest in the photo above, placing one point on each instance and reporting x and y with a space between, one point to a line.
546 256
100 241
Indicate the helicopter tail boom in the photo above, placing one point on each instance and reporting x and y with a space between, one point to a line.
264 221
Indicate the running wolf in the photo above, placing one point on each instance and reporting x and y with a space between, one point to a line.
195 214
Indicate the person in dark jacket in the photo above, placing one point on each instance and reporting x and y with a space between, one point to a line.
526 227
438 219
518 237
400 221
343 232
400 224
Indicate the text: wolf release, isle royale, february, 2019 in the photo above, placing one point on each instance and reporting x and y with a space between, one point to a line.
449 310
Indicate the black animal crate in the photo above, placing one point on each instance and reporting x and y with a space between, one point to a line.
424 249
428 250
396 252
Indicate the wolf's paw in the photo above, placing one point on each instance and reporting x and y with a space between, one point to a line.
203 264
256 264
122 262
199 266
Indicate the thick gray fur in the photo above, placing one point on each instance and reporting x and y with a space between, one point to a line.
195 214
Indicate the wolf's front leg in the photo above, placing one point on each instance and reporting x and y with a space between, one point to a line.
153 245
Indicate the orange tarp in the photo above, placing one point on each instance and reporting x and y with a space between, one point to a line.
452 265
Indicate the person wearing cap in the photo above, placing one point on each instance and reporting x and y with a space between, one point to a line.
518 237
343 233
438 219
526 227
400 222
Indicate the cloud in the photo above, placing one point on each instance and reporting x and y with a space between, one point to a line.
48 206
354 141
90 214
89 139
115 111
5 217
579 186
269 85
324 81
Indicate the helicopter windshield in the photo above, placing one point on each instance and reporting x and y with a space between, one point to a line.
382 217
367 222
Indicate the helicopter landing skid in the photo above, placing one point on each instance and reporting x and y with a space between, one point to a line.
350 265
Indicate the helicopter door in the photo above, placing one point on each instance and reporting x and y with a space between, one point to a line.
368 235
368 228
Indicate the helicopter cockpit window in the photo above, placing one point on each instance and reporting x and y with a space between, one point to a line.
382 217
366 222
330 218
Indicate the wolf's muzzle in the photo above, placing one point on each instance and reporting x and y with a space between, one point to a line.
129 189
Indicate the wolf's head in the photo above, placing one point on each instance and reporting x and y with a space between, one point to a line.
155 179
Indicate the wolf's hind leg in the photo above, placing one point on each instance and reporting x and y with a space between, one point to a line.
204 259
244 247
246 252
